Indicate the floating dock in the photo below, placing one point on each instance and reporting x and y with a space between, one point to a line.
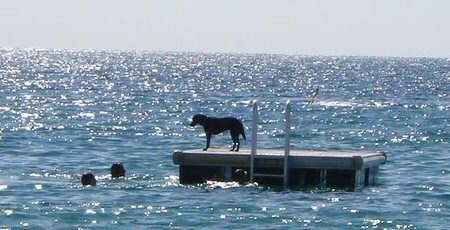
335 169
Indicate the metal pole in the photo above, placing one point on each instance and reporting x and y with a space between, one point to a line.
254 139
287 140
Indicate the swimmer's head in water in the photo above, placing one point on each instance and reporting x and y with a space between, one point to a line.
88 179
117 170
240 176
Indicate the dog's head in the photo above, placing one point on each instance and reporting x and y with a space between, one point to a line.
198 119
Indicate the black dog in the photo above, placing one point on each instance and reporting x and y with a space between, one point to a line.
213 125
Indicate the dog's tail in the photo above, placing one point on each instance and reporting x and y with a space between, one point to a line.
242 132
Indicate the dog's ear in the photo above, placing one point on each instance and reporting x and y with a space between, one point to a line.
198 117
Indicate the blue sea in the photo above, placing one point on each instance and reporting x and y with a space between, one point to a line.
64 113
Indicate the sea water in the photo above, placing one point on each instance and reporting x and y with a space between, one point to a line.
64 113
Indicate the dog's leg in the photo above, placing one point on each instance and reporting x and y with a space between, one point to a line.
208 141
234 146
235 138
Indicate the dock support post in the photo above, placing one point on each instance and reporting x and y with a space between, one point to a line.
254 139
287 140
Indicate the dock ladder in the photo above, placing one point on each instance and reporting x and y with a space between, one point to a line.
287 139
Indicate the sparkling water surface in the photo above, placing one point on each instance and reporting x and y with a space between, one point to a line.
64 113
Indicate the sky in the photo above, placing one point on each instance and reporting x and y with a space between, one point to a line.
405 28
